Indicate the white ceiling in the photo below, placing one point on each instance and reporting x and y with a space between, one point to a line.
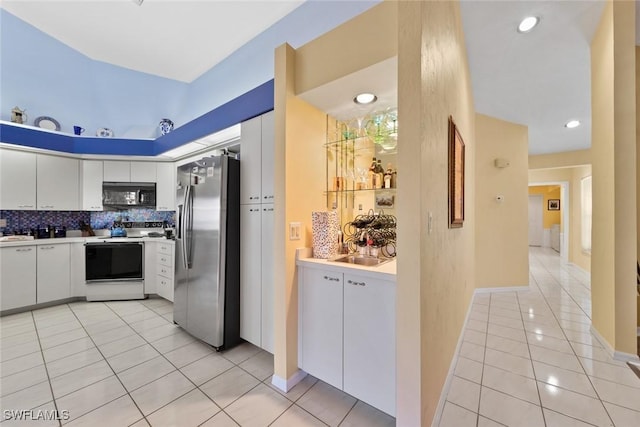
540 79
177 39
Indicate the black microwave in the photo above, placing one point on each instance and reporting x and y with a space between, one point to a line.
127 195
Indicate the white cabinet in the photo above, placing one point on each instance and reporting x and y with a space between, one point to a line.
256 275
250 275
18 277
251 161
320 325
17 180
164 270
166 187
77 270
57 185
266 270
150 282
143 171
117 171
268 146
369 341
346 333
54 282
92 172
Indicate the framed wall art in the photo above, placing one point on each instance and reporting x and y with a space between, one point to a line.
456 176
553 205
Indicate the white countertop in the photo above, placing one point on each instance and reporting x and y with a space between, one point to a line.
63 240
385 271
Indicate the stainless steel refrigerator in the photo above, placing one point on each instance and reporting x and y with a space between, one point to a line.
207 280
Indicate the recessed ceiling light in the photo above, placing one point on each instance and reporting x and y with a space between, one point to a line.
365 98
572 124
528 23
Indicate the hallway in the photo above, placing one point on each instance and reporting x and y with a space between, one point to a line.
528 358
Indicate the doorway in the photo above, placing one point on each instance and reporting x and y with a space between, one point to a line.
536 232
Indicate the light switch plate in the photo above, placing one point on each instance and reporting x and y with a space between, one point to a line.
294 231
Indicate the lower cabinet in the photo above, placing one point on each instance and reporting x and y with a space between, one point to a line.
346 328
18 277
164 270
54 280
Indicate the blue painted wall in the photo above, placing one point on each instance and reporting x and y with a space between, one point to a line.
48 78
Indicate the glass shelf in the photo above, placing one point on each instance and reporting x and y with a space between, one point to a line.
367 190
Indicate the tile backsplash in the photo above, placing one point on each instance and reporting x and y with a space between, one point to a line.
19 220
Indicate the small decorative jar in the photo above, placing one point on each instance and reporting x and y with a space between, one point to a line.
166 126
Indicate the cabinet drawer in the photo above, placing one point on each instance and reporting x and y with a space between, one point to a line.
164 282
164 259
165 248
165 271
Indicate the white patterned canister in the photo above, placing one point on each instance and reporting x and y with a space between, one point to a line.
325 227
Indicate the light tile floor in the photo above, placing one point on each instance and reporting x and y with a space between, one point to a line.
528 358
126 364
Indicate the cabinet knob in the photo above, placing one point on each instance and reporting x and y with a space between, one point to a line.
23 250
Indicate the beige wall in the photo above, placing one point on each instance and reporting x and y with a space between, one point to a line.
573 176
436 267
614 243
549 192
501 249
560 160
638 156
300 134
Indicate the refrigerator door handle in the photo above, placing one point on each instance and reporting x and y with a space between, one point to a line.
187 227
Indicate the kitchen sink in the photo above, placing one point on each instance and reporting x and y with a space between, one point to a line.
368 261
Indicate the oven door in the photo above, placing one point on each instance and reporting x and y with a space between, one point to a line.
114 262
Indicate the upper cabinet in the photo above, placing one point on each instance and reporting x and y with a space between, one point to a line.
117 171
92 172
57 185
143 172
166 187
17 180
256 153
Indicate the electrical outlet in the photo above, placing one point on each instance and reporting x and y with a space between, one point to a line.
3 222
294 231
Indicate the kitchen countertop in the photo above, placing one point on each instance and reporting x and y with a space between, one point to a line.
63 240
385 271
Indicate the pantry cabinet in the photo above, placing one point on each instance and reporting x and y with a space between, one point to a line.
58 183
18 277
250 274
266 272
17 180
91 177
53 273
251 158
267 157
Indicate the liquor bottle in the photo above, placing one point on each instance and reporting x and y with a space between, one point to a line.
372 175
379 174
387 176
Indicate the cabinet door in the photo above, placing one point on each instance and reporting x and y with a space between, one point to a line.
250 161
166 187
117 171
17 180
320 325
268 301
370 341
18 277
143 172
267 157
58 183
150 267
250 277
54 281
92 173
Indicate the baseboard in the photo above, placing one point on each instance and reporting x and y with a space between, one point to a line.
287 384
616 355
452 367
501 289
11 311
574 265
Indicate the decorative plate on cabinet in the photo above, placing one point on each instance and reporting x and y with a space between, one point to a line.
104 133
46 122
